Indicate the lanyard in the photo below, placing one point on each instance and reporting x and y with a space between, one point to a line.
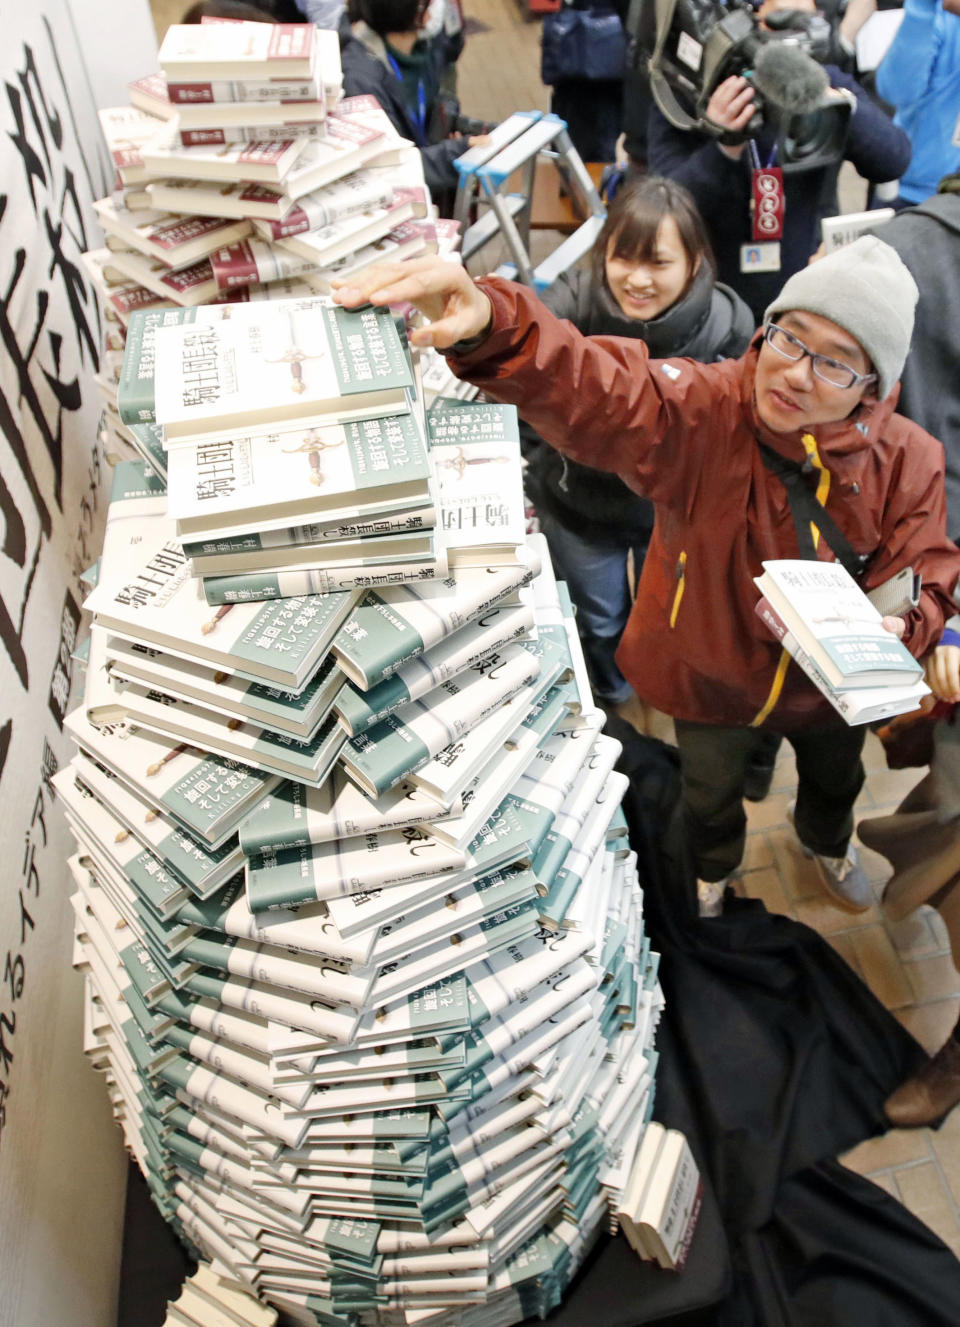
755 155
419 117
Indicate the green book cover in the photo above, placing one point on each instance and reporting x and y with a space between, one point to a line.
135 390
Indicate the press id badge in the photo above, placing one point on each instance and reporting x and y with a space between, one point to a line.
760 257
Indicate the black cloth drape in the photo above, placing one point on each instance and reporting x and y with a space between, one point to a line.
775 1058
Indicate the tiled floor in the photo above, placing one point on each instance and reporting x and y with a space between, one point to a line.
907 965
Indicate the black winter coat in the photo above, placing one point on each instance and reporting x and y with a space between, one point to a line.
366 72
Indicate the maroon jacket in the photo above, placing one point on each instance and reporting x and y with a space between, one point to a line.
685 434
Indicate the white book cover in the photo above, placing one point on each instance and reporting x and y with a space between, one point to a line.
127 131
252 101
476 451
290 360
274 753
207 198
393 625
267 707
146 594
207 797
195 52
167 237
347 866
836 624
186 857
453 770
250 262
358 710
295 474
185 286
265 162
216 126
347 146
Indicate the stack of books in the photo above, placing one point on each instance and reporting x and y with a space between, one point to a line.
243 175
362 934
661 1203
209 1300
835 633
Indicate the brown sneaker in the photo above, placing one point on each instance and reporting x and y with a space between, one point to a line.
932 1092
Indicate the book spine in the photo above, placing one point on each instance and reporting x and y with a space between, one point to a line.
258 133
258 587
242 90
400 523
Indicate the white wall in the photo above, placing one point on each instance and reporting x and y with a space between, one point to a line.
62 1169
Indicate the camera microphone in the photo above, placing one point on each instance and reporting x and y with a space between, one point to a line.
786 76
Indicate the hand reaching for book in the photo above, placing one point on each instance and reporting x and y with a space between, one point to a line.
443 292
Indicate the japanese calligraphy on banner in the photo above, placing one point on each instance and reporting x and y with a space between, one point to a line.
61 1167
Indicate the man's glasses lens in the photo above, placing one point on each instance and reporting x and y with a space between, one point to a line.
827 370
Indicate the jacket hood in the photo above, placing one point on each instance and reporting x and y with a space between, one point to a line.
843 445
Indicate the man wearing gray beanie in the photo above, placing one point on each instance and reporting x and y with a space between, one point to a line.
733 455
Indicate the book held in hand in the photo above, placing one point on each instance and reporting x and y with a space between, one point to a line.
836 624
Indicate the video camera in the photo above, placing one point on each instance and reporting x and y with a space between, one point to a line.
692 46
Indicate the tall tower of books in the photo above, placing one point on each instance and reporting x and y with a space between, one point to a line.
361 931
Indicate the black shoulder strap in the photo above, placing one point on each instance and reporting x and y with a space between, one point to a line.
807 511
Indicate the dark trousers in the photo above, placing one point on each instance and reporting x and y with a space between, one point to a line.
713 761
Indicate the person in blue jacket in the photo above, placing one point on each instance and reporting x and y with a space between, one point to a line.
719 177
920 75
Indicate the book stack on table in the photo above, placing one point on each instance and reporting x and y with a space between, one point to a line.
243 175
362 934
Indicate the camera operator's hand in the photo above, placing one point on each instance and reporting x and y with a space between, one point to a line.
443 292
731 107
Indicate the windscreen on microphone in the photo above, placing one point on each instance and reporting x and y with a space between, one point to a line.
789 77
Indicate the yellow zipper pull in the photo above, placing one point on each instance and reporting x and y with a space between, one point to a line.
681 574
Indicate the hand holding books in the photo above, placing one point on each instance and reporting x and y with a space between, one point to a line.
443 292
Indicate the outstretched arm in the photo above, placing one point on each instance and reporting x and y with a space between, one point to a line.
600 400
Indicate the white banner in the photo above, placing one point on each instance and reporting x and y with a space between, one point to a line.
62 1169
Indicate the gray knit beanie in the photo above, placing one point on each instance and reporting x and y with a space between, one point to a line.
866 289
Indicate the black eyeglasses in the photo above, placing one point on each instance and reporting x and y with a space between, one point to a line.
826 369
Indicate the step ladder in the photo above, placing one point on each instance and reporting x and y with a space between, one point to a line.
515 145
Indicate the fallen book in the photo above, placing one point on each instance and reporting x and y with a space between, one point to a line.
289 360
